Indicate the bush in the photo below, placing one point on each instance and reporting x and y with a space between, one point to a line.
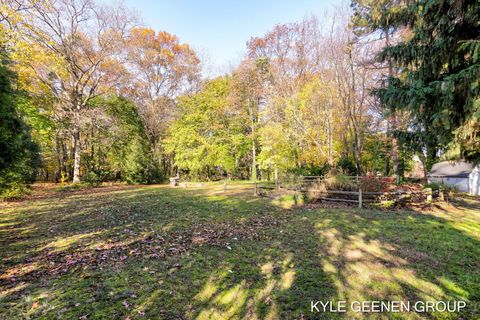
340 181
15 191
385 204
435 186
92 179
137 164
373 183
347 166
70 187
311 170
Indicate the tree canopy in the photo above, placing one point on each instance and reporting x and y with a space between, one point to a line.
437 55
101 98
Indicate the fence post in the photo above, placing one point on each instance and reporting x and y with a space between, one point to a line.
360 197
255 189
428 191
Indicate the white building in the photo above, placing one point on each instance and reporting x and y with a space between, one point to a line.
463 176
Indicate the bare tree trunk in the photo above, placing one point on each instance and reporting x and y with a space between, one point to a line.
254 156
330 135
358 152
58 172
423 160
76 150
393 118
276 178
395 148
387 152
254 152
62 158
353 113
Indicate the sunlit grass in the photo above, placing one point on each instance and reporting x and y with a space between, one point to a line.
155 252
63 243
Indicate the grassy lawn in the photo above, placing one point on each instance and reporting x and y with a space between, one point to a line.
153 252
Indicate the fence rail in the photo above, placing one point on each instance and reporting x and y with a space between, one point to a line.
306 185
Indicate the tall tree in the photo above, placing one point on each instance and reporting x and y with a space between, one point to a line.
283 61
18 153
81 42
372 21
248 90
317 115
161 69
209 134
352 83
438 84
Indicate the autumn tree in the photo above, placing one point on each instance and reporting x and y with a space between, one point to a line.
292 52
371 21
72 48
161 68
209 135
247 96
288 56
116 144
317 86
317 115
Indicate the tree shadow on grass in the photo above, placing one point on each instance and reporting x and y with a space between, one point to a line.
401 256
159 253
366 256
84 235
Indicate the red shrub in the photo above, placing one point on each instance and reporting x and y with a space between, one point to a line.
373 183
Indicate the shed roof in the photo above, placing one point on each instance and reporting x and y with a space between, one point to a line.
452 169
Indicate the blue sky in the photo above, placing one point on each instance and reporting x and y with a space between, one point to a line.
220 29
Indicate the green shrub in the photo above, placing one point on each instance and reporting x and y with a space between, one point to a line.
92 179
71 187
435 186
386 204
14 191
347 166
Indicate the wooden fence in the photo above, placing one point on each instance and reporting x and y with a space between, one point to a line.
314 187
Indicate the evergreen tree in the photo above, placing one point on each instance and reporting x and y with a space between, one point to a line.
18 153
117 147
439 60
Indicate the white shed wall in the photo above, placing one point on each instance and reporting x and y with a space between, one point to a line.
474 181
461 184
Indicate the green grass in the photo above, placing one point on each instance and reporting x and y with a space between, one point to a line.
154 252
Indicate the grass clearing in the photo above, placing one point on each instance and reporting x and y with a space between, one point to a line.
154 252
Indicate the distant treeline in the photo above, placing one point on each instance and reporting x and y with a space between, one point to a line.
88 96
